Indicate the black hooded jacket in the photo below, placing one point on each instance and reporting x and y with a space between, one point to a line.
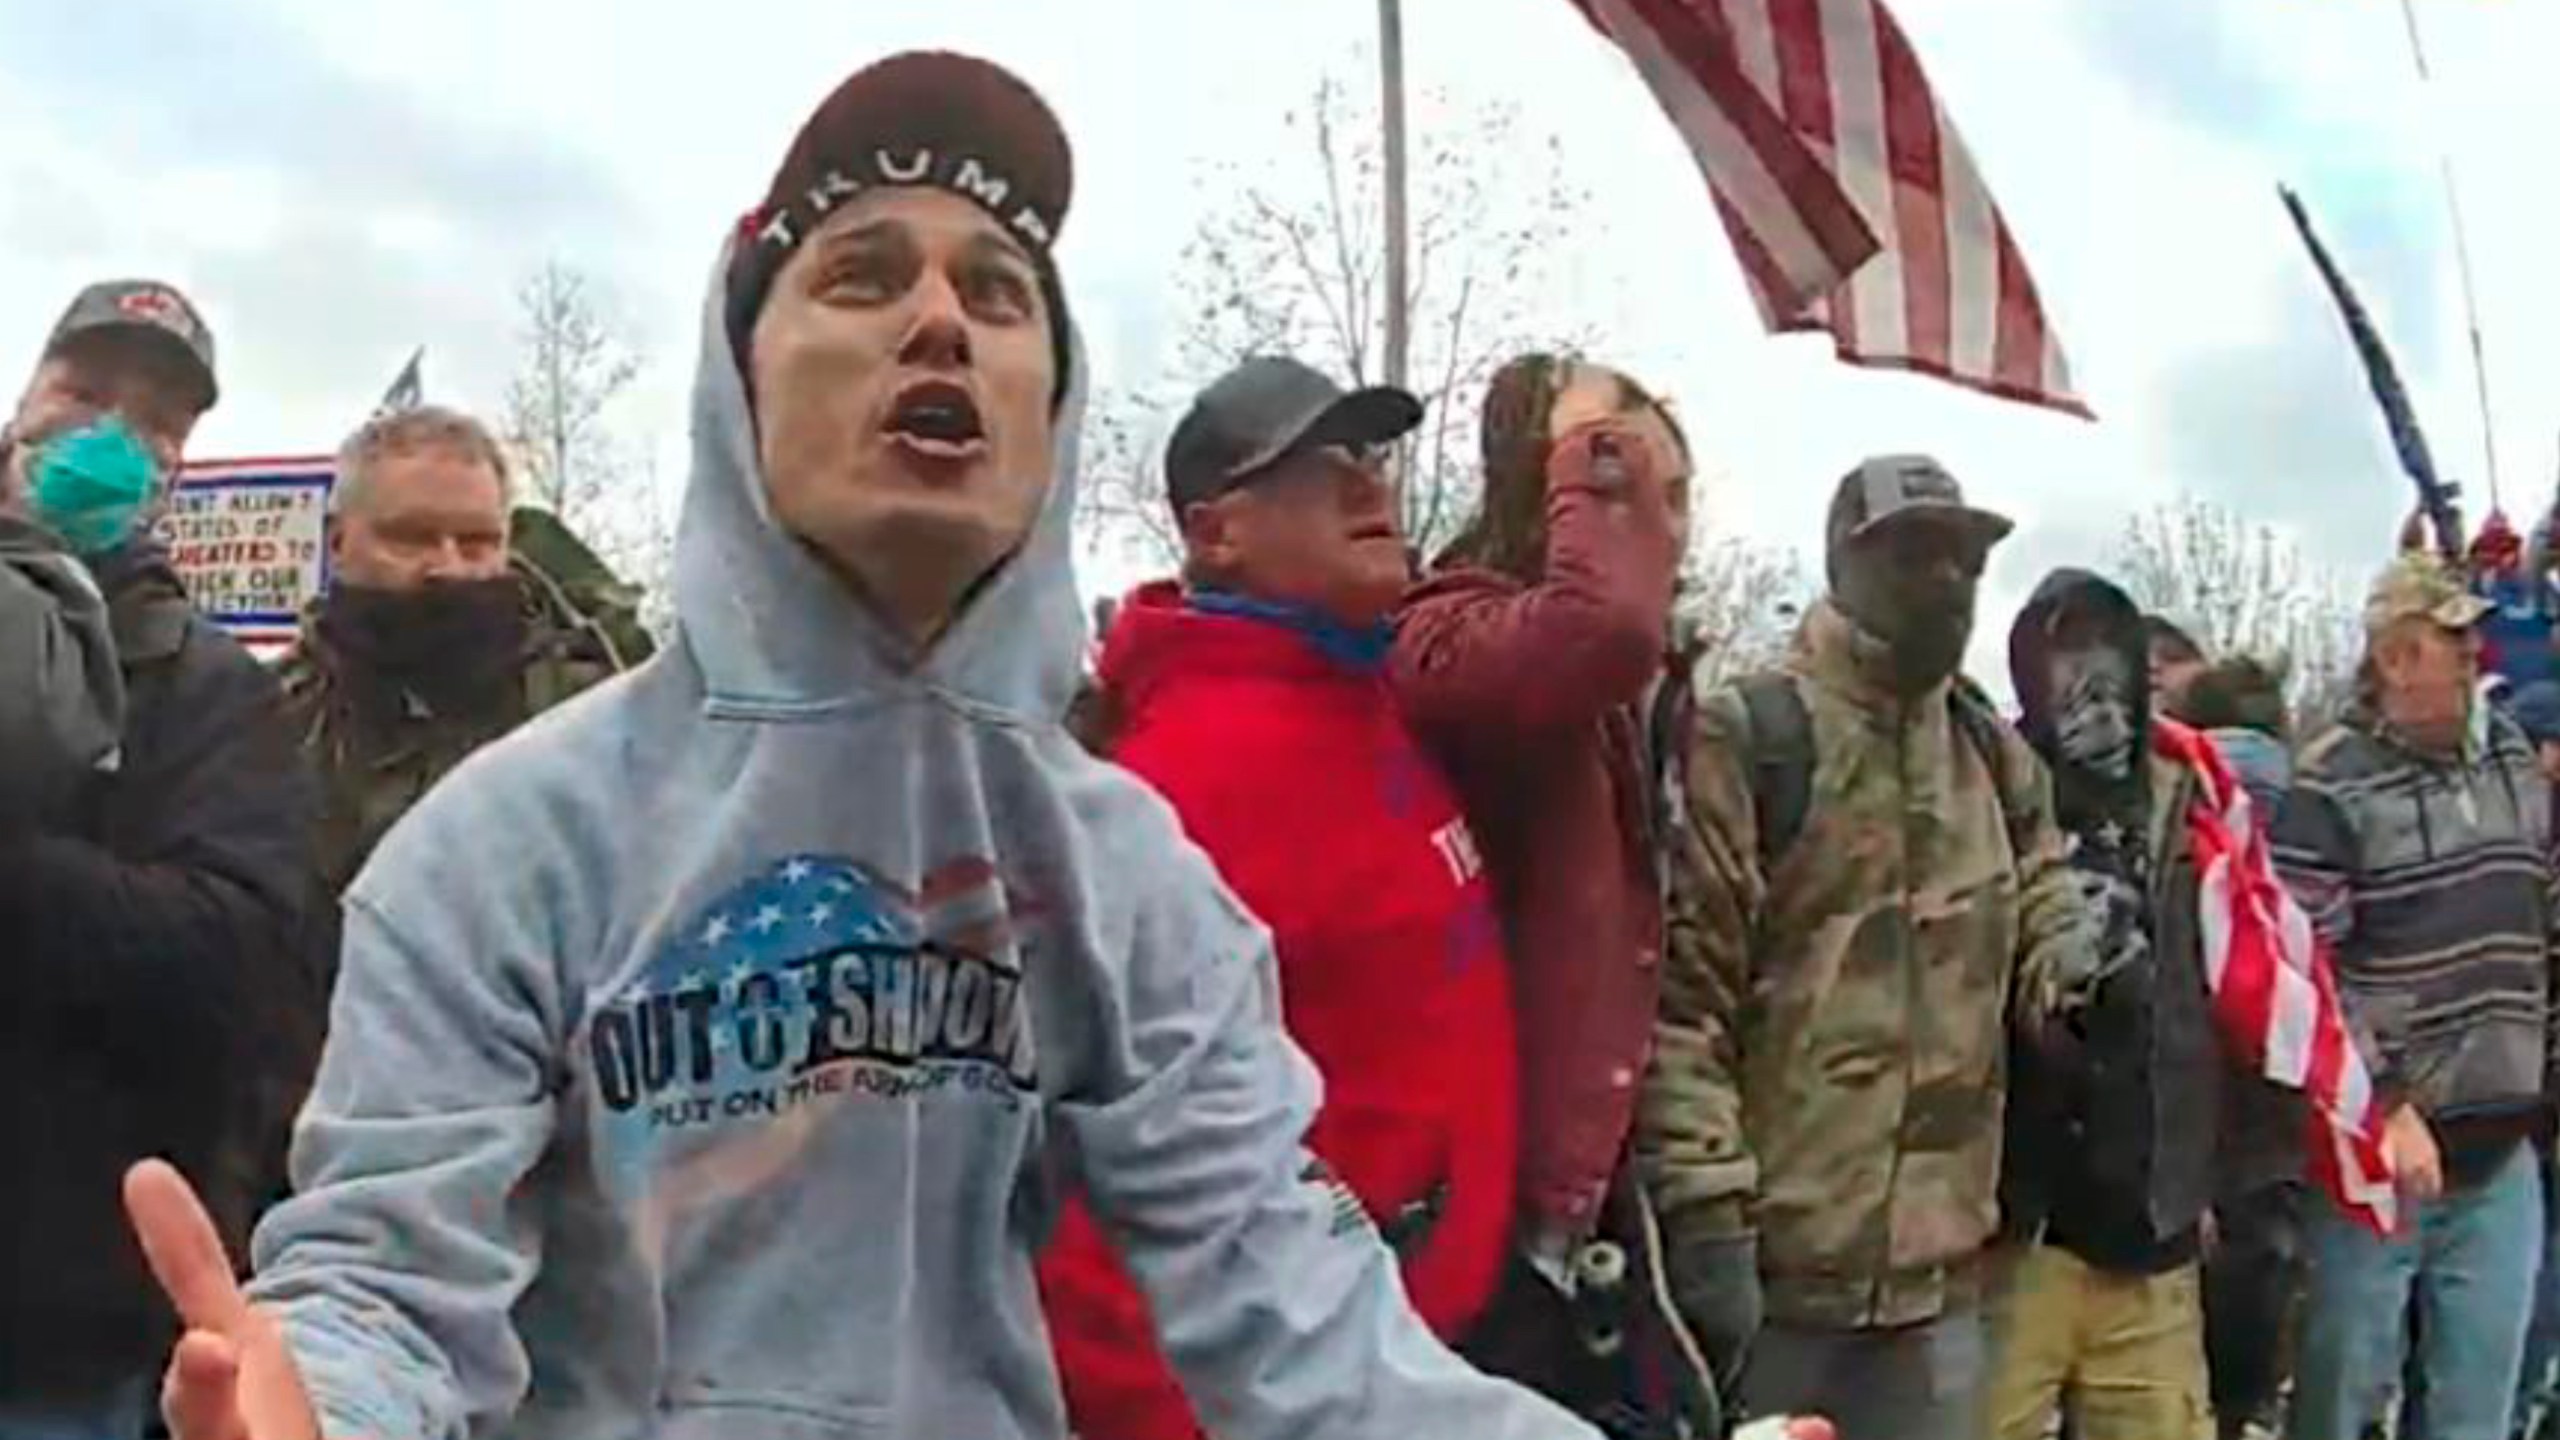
156 1004
2113 1122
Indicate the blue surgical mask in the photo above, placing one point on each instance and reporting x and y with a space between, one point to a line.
91 485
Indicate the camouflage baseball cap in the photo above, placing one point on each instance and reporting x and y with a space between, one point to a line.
2418 585
148 307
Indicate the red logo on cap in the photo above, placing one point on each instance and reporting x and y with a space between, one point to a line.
158 307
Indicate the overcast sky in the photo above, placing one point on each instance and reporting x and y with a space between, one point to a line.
337 182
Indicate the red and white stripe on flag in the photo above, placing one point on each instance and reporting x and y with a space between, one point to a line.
2274 992
1851 202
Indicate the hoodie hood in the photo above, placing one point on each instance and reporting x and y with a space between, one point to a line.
776 633
2031 650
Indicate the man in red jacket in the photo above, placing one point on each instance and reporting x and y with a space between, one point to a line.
1253 696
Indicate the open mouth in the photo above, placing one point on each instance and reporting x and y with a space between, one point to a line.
939 419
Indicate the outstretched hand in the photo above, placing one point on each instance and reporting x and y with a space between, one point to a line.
231 1376
1788 1427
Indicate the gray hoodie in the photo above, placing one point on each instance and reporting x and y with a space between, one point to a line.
706 1055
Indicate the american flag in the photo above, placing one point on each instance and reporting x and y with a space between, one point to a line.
2274 993
1851 202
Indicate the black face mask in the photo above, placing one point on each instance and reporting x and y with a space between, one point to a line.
1920 608
452 644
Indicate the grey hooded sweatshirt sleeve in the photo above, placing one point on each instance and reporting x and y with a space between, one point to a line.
62 699
705 1055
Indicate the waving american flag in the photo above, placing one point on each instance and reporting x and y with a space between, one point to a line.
1851 202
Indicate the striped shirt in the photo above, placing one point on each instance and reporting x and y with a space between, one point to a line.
2432 880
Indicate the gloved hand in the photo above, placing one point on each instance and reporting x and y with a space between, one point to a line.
1715 1281
91 485
2073 964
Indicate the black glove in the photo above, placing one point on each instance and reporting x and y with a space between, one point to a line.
1716 1283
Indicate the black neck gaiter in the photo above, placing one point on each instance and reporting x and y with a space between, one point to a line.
451 645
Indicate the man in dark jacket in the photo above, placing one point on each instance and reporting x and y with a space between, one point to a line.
2108 1170
442 630
2253 1262
151 864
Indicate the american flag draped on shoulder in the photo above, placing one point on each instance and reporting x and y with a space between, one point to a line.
2273 992
1851 202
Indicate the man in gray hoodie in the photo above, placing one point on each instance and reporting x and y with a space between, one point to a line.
705 1055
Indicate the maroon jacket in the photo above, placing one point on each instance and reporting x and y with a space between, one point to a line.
1533 698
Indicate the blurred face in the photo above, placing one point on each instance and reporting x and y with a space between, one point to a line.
1594 394
428 516
902 377
2429 674
110 373
1912 584
2089 693
1319 529
2172 670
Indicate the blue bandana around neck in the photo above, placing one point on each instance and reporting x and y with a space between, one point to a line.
1354 647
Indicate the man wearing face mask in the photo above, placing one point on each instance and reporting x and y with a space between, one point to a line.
709 1058
152 824
2115 1112
2418 836
437 635
1868 873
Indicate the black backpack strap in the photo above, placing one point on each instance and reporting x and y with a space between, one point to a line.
1781 740
1979 722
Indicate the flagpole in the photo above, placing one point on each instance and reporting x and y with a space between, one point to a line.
2461 257
1391 107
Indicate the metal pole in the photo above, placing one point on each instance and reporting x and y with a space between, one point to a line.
1391 84
2461 259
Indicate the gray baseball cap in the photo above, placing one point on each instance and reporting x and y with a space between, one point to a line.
1267 408
1891 490
146 307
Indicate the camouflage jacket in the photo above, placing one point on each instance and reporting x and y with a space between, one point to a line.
1830 1059
373 766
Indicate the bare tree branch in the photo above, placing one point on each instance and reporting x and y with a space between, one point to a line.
1739 605
2242 590
1289 262
576 362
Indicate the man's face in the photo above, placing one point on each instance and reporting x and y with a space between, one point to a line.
1594 394
110 372
2173 668
1319 529
426 516
1911 583
2089 692
902 377
2429 673
1931 571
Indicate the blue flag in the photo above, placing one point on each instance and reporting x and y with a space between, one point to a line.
2434 495
408 388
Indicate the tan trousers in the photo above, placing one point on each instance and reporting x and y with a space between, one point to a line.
2122 1354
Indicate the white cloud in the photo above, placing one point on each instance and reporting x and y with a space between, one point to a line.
340 181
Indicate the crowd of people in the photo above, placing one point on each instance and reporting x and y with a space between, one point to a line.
1383 996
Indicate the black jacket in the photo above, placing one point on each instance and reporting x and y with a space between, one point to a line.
156 1003
2113 1124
